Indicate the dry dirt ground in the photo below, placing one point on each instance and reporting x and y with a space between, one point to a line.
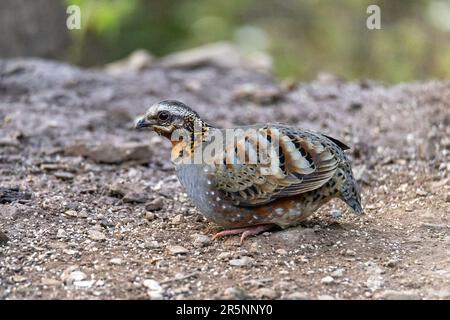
90 208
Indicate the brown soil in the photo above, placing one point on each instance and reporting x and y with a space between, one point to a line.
90 208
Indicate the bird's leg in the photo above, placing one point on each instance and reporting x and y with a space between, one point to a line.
246 232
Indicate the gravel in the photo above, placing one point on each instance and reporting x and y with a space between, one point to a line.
62 236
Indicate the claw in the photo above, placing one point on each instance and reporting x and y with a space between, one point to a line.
246 232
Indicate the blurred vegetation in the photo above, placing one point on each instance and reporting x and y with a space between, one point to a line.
304 37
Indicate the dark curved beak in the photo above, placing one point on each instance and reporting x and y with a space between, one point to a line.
143 123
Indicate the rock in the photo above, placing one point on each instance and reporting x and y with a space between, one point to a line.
150 216
61 233
421 192
327 280
3 238
155 295
281 252
83 283
224 255
71 274
349 253
338 273
155 291
234 293
50 282
155 205
136 61
297 296
96 235
177 250
8 195
116 261
201 240
403 187
397 295
135 197
71 213
336 214
266 293
221 54
64 175
112 153
257 94
178 219
151 284
19 278
447 197
128 192
241 262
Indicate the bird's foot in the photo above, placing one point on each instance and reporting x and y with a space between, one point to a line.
246 232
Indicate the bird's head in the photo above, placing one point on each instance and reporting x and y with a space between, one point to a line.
167 116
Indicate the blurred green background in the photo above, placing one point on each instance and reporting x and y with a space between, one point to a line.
303 37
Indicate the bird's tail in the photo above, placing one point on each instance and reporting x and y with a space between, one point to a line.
350 192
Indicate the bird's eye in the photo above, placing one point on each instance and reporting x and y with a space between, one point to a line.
163 115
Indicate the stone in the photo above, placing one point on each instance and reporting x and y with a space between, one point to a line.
96 235
71 274
421 192
71 213
138 60
155 295
281 252
152 284
154 289
221 54
19 278
234 293
3 239
178 219
50 282
155 205
338 273
336 214
150 216
83 283
297 296
116 261
265 293
241 262
327 280
8 195
135 197
397 295
177 250
61 233
201 240
64 175
257 94
224 255
447 197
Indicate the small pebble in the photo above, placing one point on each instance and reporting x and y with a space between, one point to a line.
177 250
201 240
241 262
327 280
96 235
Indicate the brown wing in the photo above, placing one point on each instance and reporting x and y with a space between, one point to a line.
295 162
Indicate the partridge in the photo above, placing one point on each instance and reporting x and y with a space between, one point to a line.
251 179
